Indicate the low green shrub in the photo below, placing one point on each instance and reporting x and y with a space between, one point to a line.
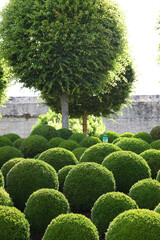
89 141
17 143
127 168
133 144
155 133
158 176
85 183
157 208
58 157
78 152
111 136
62 173
12 136
69 144
54 142
118 139
1 179
127 134
33 145
5 199
71 226
108 206
156 144
45 131
7 153
42 206
152 157
28 176
98 152
135 224
13 225
4 141
144 136
64 133
146 193
77 137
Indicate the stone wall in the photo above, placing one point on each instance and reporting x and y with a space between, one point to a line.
20 113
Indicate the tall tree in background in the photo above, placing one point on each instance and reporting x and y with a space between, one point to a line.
61 46
3 85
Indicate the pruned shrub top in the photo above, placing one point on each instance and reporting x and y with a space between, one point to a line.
54 142
146 193
28 176
5 199
62 173
17 143
108 206
33 145
155 133
69 144
85 183
127 167
144 136
7 153
13 224
89 141
133 144
77 137
4 141
71 226
156 144
111 136
152 157
45 131
136 224
12 136
127 134
98 152
58 157
79 151
1 179
64 133
42 206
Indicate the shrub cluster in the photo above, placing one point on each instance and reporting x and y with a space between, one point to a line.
5 199
77 137
156 144
78 152
111 136
69 144
89 141
7 153
4 141
155 133
62 173
144 136
12 136
127 134
64 133
17 143
54 142
45 131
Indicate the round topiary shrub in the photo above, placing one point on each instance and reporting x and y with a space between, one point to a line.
64 133
85 183
12 136
146 193
135 224
69 144
79 151
28 176
4 141
98 152
144 136
108 206
1 179
158 176
42 206
157 208
17 143
133 144
127 168
89 141
54 142
118 139
156 144
13 225
33 145
155 133
5 199
62 173
58 157
45 131
7 153
152 157
127 134
111 136
77 137
6 167
71 226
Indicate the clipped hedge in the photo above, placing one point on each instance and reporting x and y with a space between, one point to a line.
156 144
1 179
54 142
62 173
89 141
33 145
69 144
77 137
85 183
133 144
42 206
71 226
144 136
98 152
152 157
64 133
17 143
13 225
155 133
45 131
28 176
108 206
136 224
111 136
146 193
78 152
7 153
127 134
127 168
4 141
12 136
58 157
5 199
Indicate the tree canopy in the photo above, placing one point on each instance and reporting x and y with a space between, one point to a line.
3 85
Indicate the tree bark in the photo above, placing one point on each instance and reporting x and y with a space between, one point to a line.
85 124
64 110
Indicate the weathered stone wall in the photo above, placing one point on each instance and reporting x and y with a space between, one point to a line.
21 113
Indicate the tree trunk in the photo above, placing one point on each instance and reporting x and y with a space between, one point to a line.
64 110
85 123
